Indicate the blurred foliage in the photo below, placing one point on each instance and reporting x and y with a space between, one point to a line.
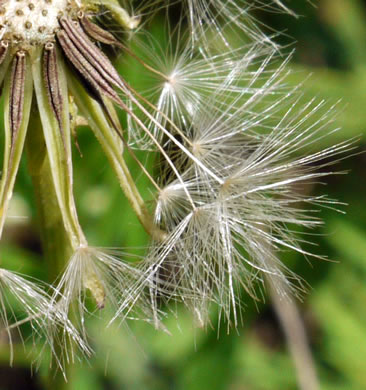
330 45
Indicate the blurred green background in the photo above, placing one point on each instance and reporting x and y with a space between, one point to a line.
330 41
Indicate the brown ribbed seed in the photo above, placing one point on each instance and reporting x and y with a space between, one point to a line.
4 46
17 92
90 74
90 52
52 83
96 32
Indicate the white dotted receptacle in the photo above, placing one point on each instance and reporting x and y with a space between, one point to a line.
31 21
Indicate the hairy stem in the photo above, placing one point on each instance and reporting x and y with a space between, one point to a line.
56 245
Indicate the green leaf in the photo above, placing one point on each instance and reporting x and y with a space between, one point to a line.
349 241
343 337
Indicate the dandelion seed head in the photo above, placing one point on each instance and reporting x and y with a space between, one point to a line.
226 236
230 138
35 307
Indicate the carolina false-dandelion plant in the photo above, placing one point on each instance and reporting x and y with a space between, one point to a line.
230 141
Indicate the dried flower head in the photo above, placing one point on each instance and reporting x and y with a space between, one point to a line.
230 143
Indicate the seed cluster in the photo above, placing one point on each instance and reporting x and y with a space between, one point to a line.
31 22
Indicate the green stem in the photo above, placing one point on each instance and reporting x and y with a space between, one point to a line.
113 149
56 245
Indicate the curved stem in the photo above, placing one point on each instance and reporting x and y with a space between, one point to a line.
113 149
297 341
